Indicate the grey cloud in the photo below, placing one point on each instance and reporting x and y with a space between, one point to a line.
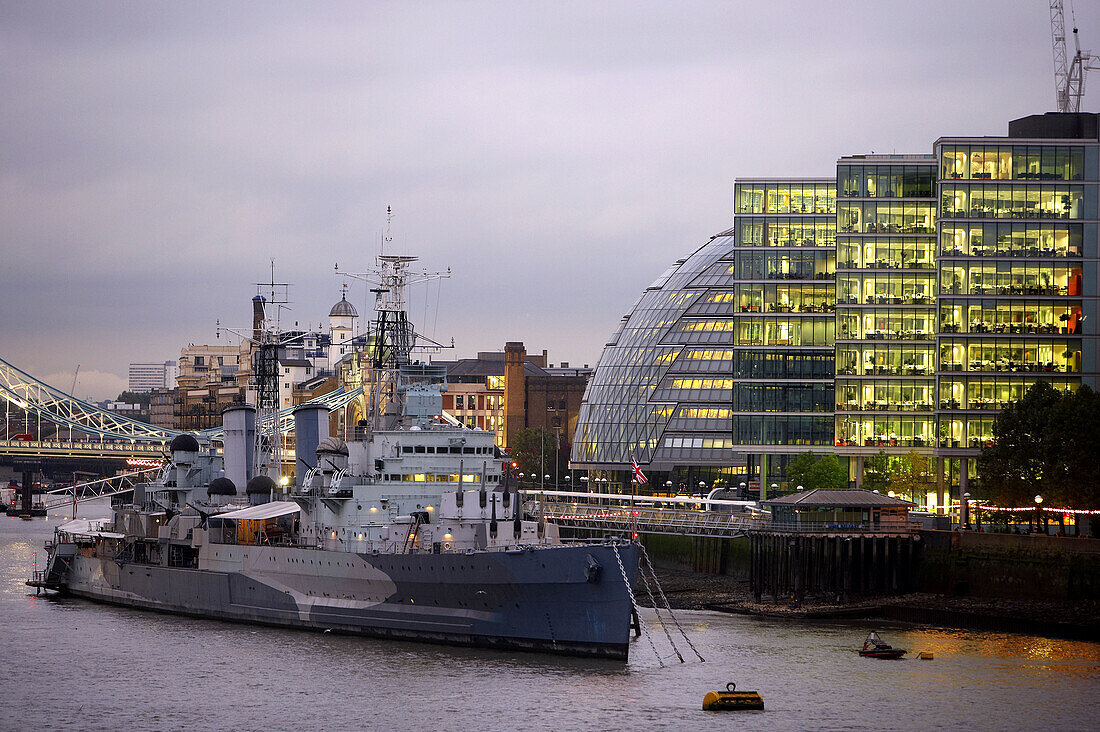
154 156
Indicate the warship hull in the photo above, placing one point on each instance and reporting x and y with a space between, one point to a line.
571 600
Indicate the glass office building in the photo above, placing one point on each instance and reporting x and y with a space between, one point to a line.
1018 282
896 307
724 367
886 306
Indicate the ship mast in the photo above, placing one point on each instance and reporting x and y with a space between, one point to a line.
267 340
392 338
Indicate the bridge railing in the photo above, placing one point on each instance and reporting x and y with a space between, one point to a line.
125 448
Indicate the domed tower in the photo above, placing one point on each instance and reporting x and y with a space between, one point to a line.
343 324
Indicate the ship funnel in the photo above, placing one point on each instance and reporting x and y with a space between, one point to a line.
239 442
310 425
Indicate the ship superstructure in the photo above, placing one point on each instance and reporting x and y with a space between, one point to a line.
405 527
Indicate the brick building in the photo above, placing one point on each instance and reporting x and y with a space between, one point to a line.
509 391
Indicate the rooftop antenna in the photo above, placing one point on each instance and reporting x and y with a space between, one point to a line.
1069 75
387 238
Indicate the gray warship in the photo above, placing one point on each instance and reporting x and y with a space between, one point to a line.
408 527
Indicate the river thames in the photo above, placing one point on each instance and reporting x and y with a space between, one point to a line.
73 664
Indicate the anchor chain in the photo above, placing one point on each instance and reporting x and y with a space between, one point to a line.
664 599
657 610
634 604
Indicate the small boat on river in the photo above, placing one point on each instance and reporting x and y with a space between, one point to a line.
875 647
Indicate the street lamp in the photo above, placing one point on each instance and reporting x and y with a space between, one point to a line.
964 519
742 486
1038 512
799 488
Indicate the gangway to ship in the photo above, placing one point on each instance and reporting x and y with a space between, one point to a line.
678 516
96 489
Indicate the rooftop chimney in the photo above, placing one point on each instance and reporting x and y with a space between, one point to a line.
257 316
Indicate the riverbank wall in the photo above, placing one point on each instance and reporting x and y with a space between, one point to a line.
724 557
1024 566
958 563
1044 585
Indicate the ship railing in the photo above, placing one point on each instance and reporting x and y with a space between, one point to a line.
365 546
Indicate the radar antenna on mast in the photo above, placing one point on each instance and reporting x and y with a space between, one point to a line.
1069 75
391 339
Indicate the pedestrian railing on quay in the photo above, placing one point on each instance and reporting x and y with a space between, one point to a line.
95 489
643 519
842 527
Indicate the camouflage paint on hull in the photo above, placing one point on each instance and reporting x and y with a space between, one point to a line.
548 599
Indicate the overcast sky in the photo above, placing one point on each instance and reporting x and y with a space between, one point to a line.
556 156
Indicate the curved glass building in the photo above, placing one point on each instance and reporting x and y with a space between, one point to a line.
899 320
724 366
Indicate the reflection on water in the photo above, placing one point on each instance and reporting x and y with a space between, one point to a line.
73 664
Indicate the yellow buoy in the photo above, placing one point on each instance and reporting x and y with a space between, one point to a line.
732 700
925 655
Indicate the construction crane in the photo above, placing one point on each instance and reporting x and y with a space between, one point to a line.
1069 75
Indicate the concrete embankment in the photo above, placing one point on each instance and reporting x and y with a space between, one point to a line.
998 582
1024 566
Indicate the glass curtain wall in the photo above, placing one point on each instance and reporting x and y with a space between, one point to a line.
782 274
1013 227
886 297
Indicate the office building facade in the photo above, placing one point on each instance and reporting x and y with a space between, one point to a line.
145 377
898 308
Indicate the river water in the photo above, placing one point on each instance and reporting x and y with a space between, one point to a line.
72 664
